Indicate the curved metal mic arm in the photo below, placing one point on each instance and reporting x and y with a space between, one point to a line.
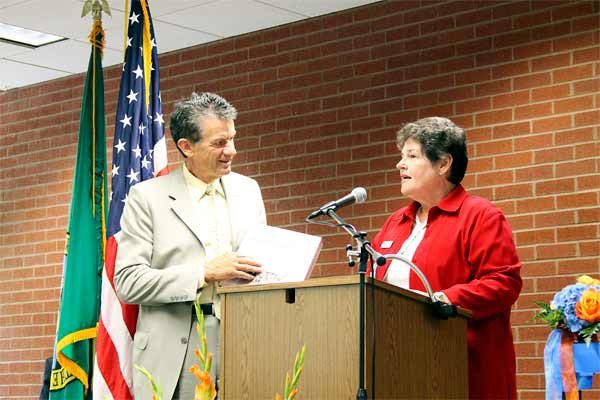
415 269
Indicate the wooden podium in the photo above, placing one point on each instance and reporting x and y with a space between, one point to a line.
417 355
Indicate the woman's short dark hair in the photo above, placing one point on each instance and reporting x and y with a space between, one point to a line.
438 137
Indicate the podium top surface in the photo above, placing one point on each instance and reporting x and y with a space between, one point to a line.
353 279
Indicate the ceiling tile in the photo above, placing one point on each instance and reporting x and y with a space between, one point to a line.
312 8
48 19
14 74
161 7
7 49
68 56
6 3
231 17
172 37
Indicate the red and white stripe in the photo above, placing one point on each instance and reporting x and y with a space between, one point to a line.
113 366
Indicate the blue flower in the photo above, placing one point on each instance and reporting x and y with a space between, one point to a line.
565 301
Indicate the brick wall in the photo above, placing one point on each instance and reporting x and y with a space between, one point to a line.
319 103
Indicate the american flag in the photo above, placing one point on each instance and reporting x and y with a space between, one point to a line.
139 153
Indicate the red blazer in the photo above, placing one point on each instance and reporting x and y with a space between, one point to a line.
468 253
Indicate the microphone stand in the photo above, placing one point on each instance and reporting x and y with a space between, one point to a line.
440 309
365 251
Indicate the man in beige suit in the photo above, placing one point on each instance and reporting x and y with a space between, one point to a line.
178 240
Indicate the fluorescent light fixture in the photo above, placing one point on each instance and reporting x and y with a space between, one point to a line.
26 37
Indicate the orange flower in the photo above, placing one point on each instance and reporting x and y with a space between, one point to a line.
588 307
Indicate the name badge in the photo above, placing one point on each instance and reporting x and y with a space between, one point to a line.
387 244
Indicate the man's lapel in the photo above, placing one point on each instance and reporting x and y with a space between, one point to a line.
183 205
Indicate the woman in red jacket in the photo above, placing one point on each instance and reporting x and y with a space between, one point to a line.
462 243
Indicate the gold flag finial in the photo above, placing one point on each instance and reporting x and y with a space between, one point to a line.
95 7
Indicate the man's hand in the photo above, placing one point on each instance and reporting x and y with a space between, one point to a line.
231 266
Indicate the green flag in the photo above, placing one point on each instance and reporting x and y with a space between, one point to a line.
81 281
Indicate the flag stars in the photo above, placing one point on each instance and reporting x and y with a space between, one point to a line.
145 163
134 18
126 121
133 176
120 146
138 152
132 96
129 41
139 73
159 119
141 128
152 42
124 199
115 170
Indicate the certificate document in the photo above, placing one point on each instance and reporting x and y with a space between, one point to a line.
285 255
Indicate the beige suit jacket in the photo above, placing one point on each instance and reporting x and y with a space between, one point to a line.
160 262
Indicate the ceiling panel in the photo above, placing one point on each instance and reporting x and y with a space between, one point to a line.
7 49
16 74
231 17
312 8
73 52
171 37
161 7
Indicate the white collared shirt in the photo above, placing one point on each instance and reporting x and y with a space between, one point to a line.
214 213
398 272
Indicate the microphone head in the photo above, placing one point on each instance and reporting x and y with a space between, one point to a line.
360 193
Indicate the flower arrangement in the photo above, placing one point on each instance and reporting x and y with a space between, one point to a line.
575 308
574 316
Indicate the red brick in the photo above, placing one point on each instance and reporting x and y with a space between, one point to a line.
533 111
536 236
473 106
511 130
550 92
554 219
555 186
588 86
551 62
520 190
556 251
588 249
553 155
551 31
573 104
493 117
576 233
569 201
579 167
587 55
576 9
494 57
513 160
587 118
494 87
528 20
573 73
494 178
552 124
588 215
578 266
511 99
506 70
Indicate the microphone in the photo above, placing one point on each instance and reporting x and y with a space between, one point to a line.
357 195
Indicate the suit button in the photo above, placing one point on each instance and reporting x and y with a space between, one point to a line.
184 340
